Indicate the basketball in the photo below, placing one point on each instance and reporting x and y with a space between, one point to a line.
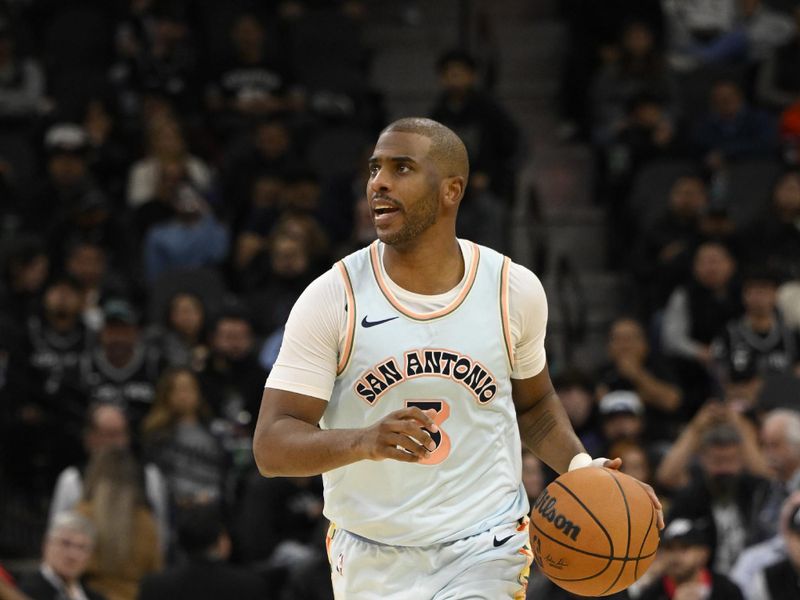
594 531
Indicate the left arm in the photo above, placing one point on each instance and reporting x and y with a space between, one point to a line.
543 422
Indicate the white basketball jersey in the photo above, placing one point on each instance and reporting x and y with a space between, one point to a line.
456 361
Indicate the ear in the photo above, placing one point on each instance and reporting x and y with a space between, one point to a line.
453 190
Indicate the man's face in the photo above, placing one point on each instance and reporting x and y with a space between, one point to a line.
67 169
457 77
688 196
760 297
118 340
87 264
67 552
622 426
781 456
233 339
109 430
62 301
626 338
403 187
726 100
713 266
289 258
723 465
683 561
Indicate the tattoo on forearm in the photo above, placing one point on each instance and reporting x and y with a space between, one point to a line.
539 429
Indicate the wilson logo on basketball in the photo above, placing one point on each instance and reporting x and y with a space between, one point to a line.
546 506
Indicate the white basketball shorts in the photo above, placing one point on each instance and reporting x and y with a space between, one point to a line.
492 565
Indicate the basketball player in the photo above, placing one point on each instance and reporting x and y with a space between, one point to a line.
407 375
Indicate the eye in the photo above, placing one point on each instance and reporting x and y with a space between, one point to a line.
373 170
403 169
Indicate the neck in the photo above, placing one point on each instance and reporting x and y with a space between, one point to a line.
430 266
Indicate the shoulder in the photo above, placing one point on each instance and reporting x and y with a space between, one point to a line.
524 283
36 585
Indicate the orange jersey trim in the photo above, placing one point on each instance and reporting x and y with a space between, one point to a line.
458 301
351 320
504 294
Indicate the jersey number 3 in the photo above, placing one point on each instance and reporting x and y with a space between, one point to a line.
440 438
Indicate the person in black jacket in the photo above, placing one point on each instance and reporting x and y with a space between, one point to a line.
781 580
205 574
68 546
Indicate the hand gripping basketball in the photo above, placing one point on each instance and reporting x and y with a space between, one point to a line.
594 531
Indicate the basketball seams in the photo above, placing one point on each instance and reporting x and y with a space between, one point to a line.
586 552
644 539
590 513
628 547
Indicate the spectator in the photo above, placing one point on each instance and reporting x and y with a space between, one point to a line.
699 310
774 240
621 418
635 461
732 130
279 519
25 270
266 203
232 379
107 428
22 102
576 391
22 84
176 437
269 148
127 546
720 489
250 84
193 238
639 69
492 138
778 581
166 148
88 263
157 53
57 342
704 32
206 574
121 368
181 339
58 338
688 573
645 133
758 341
289 270
778 85
780 438
68 181
67 550
634 367
666 247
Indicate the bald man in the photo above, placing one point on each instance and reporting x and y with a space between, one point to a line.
407 376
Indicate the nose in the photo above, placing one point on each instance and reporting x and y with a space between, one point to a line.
380 181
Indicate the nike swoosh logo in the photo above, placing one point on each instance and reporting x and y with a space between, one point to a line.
497 542
365 323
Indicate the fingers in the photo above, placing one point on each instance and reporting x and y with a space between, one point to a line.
614 463
424 417
656 504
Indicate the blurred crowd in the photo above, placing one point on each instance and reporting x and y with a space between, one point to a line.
173 173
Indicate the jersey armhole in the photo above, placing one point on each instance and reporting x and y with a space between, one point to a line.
350 307
504 311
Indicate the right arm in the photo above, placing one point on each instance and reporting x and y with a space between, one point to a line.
287 441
